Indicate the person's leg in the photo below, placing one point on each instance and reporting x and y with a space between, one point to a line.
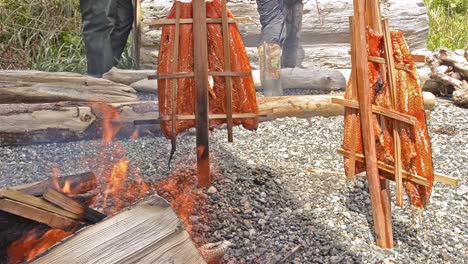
123 26
98 23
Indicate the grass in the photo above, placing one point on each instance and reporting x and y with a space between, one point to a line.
448 24
46 35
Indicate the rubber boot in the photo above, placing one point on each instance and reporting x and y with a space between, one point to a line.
269 56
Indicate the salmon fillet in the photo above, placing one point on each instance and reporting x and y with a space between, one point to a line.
243 88
415 142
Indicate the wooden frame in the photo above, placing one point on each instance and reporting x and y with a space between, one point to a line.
200 75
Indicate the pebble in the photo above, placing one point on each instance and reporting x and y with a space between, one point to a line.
267 205
212 190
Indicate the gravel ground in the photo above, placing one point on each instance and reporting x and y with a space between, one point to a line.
266 202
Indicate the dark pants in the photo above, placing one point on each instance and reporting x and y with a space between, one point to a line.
106 26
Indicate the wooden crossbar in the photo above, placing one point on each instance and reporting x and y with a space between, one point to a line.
161 22
411 120
379 60
191 75
389 168
213 116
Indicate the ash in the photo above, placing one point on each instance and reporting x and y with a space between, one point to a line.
265 202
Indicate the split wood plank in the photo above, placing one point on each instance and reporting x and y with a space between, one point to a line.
200 50
150 232
394 103
36 202
39 215
381 209
79 183
160 22
227 67
70 205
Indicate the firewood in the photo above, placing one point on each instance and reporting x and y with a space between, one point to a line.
35 202
39 215
149 232
79 184
70 205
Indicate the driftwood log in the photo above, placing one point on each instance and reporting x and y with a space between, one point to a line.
127 76
324 31
39 87
41 123
291 78
449 75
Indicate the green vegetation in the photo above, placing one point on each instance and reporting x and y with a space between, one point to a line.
43 35
448 24
46 34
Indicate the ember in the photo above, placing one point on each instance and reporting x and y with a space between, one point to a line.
32 245
180 189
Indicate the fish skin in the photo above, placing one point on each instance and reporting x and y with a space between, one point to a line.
415 142
243 88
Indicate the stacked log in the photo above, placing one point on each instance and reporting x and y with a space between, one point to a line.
449 75
324 32
41 87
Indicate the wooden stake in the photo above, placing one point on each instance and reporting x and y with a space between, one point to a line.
200 50
70 205
380 205
227 67
393 93
354 114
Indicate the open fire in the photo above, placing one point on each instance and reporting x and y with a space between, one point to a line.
117 187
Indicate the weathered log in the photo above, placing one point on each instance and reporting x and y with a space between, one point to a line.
450 58
31 92
78 184
145 85
127 76
460 97
324 32
40 123
291 78
50 122
51 77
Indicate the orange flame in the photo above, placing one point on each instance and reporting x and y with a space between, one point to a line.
115 182
66 189
134 135
110 124
28 247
